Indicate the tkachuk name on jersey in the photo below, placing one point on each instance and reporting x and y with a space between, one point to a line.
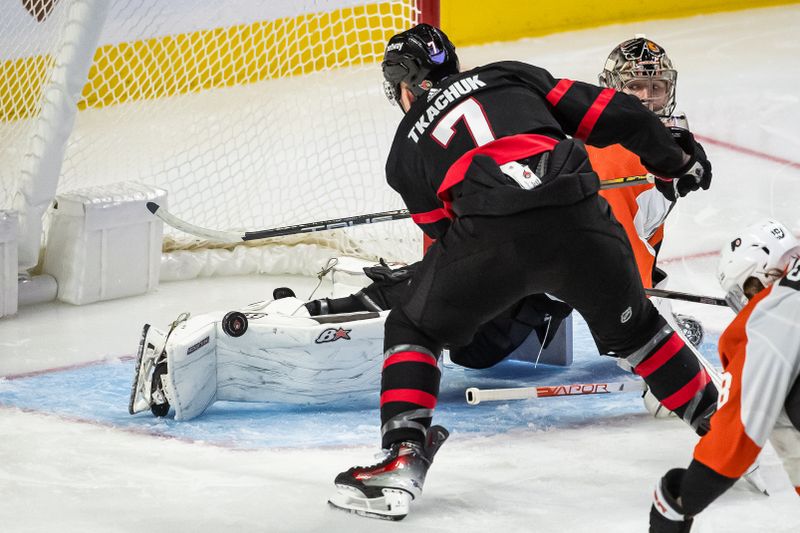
457 89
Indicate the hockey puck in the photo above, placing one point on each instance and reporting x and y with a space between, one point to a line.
234 324
282 292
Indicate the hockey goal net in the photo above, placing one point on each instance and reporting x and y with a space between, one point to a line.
249 114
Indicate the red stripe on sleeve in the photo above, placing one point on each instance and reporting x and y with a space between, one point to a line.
409 357
430 217
414 396
687 392
557 92
590 118
657 360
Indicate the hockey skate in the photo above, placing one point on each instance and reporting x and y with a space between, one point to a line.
691 328
147 391
755 480
386 489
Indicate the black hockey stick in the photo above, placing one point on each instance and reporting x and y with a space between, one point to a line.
310 227
238 236
710 300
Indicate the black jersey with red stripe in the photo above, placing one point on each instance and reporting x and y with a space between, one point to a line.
509 111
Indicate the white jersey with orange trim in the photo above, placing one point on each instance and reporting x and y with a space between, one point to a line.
641 209
760 352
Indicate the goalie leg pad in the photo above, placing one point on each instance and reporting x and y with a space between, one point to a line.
191 381
176 369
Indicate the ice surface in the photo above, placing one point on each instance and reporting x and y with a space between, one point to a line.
71 459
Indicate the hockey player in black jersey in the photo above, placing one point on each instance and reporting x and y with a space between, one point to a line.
491 164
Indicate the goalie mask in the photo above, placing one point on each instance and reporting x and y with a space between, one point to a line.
641 67
761 252
420 57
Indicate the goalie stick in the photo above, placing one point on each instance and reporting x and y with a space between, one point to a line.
310 227
476 395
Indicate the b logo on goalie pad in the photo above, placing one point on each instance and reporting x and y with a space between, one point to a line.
333 334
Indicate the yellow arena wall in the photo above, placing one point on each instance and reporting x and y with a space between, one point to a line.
147 69
469 22
167 66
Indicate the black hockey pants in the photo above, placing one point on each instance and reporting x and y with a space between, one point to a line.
578 253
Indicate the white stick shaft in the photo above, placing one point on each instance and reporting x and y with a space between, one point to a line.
210 234
476 395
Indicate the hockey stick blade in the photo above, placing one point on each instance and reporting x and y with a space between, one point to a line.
210 234
710 300
476 395
310 227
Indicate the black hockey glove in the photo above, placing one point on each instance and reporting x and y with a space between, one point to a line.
389 286
666 514
695 174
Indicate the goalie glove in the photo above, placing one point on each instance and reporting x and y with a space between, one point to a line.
695 174
666 513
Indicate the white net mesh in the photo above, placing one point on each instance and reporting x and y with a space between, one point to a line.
250 114
26 64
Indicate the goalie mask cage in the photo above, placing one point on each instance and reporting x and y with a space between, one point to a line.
249 114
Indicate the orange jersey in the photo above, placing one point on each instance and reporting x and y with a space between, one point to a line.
760 353
641 209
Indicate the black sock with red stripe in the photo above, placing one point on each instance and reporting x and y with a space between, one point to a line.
676 378
409 390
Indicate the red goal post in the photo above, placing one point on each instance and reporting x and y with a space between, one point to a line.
429 12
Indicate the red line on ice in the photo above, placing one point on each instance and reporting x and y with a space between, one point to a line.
748 151
67 367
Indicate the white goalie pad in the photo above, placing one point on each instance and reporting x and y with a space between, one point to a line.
281 355
189 384
191 380
301 360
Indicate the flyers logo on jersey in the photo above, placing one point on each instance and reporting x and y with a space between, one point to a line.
735 243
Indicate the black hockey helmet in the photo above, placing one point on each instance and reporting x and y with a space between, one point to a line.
419 57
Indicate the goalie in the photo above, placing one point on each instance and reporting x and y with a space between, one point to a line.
312 353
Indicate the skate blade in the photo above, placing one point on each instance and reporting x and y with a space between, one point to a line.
393 505
137 388
150 347
755 480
